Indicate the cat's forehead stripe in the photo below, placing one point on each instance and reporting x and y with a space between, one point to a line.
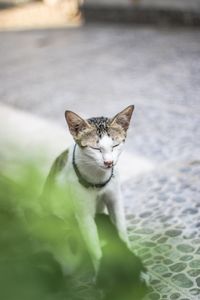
106 142
101 124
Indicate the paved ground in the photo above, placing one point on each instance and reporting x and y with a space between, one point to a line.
99 70
164 227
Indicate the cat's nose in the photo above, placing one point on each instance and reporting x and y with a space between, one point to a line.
108 163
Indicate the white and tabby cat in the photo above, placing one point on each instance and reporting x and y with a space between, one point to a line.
90 167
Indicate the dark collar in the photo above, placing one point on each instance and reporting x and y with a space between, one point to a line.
83 181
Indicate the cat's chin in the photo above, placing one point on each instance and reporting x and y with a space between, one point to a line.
105 168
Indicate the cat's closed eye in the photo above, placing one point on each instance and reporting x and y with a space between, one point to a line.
99 149
95 148
116 145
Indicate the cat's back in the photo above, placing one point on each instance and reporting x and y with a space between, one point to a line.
59 164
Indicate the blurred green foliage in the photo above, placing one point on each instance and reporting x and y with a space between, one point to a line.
35 239
39 239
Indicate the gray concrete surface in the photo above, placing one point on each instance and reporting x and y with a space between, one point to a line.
99 70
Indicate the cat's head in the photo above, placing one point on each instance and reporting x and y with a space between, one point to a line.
101 139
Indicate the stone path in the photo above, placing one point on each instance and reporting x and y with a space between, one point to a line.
99 70
164 226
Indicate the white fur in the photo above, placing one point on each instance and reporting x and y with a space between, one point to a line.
89 201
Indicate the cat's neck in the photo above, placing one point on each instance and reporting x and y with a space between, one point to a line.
88 169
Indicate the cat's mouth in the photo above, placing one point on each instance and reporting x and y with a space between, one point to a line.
107 167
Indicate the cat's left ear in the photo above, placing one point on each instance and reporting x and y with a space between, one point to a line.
123 118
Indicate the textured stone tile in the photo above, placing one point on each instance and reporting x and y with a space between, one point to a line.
174 245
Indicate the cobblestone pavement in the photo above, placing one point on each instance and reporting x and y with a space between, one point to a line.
99 70
164 226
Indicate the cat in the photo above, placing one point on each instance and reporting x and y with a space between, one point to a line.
89 171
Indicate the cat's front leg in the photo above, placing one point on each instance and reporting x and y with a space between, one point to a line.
115 207
84 206
89 233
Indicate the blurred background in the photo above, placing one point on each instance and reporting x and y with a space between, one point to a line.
95 58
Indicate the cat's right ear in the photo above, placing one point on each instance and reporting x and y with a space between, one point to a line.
75 123
123 118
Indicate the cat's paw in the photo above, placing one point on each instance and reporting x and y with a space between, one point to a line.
145 278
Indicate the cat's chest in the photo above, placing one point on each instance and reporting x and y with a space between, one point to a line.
85 199
88 200
68 176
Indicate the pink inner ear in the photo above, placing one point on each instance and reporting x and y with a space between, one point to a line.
123 118
76 124
123 121
78 127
